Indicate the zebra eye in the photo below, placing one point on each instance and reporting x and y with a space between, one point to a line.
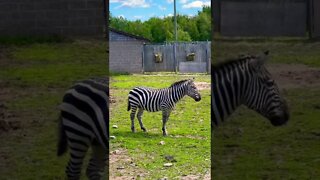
270 82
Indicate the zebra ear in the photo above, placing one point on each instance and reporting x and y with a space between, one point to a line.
260 60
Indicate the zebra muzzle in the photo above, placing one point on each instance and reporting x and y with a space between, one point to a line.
197 98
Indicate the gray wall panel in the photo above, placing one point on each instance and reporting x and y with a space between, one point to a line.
263 18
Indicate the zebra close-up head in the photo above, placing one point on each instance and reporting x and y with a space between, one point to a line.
263 95
192 91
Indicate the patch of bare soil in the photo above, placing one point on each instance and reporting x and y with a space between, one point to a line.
8 120
203 85
295 75
112 100
122 166
196 177
4 53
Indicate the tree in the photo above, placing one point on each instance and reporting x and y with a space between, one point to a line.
197 28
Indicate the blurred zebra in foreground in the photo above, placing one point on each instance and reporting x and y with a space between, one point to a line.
152 100
84 123
246 81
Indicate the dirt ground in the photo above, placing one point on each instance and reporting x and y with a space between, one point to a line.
202 85
294 75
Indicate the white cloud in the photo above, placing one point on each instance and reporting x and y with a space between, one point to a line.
131 3
137 17
152 15
196 4
183 1
162 8
170 15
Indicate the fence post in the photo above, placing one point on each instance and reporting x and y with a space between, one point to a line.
143 59
175 57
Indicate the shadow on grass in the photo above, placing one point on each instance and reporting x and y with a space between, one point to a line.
139 134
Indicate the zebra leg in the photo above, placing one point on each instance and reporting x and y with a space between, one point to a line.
139 116
77 154
165 117
132 114
97 162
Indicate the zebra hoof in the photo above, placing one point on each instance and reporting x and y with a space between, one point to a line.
144 129
164 134
133 130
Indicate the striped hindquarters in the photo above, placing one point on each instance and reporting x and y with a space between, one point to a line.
85 114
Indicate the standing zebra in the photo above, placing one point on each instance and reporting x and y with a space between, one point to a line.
84 122
246 81
164 100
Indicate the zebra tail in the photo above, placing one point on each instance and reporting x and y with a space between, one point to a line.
129 107
62 139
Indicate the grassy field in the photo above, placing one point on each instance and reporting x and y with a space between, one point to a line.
33 79
247 146
188 127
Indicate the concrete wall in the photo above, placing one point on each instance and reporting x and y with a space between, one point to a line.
263 18
52 17
125 56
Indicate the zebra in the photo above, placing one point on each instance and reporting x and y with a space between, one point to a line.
246 81
84 122
152 100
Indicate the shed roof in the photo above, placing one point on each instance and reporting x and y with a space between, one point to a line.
129 35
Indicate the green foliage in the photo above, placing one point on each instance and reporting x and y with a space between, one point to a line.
197 28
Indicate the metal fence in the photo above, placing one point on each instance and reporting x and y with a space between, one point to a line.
191 57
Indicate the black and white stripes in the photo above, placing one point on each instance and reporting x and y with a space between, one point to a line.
84 123
141 98
246 81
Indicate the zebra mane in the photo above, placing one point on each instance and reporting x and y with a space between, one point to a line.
228 62
179 82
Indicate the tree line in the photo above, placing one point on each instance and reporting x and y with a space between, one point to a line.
195 28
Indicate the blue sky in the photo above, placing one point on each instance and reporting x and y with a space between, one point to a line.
145 9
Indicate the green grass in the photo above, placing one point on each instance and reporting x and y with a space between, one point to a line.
188 128
54 64
33 79
27 40
247 146
287 52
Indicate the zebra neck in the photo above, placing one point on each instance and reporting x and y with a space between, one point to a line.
177 93
229 87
